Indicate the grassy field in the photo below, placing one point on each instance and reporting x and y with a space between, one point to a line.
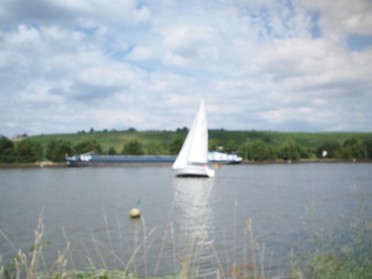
216 137
230 140
305 139
112 139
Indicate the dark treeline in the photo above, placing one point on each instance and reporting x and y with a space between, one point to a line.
265 148
350 149
30 151
25 151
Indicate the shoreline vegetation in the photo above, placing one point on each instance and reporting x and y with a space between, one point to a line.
252 146
49 164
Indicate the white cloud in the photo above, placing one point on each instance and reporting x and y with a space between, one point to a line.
141 53
121 64
189 43
344 16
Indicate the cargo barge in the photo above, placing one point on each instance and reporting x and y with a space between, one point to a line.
92 159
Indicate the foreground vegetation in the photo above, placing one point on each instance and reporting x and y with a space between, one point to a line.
342 251
327 258
251 145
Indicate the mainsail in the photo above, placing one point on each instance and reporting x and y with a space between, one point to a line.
194 151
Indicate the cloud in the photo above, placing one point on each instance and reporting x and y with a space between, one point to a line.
267 65
188 43
71 12
340 17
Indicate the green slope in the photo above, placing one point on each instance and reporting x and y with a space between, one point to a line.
216 138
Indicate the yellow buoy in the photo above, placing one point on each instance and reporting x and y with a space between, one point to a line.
135 213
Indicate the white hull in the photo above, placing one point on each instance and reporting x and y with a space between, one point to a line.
193 157
223 158
196 171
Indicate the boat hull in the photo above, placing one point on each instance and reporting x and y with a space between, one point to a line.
108 160
195 171
223 158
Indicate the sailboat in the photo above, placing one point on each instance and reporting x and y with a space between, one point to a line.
193 157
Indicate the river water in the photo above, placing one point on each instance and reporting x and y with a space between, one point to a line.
245 216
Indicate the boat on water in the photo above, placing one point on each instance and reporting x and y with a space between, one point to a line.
224 158
92 159
192 160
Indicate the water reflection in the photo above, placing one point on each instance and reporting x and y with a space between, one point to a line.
196 224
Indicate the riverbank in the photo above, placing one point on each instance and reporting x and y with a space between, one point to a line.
49 164
43 164
305 161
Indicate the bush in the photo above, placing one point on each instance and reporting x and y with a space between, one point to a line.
290 151
343 252
88 146
57 149
111 151
261 151
29 151
133 147
7 151
176 145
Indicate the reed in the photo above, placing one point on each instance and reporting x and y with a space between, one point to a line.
345 252
325 259
32 265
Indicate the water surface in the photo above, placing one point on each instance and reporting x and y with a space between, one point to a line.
198 224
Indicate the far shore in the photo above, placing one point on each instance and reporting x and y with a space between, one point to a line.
43 164
48 164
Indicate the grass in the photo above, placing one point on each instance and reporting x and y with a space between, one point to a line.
222 137
188 253
344 252
117 140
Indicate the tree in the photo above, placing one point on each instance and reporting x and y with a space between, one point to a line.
356 148
368 149
133 147
7 151
184 130
155 148
231 146
57 149
290 151
213 144
29 151
88 146
176 145
261 151
330 146
111 151
305 153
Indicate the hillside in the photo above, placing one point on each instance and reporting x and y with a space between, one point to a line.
231 140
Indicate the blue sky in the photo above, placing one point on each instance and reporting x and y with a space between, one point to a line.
67 66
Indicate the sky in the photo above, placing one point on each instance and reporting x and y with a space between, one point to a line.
294 65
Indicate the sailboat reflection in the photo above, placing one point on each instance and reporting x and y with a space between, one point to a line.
196 253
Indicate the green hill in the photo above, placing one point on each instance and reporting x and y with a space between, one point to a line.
240 141
251 145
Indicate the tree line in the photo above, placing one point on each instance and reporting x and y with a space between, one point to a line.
350 149
29 151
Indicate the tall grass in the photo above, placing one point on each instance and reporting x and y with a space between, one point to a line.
187 262
342 253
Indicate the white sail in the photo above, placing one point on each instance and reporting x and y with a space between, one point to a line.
193 157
